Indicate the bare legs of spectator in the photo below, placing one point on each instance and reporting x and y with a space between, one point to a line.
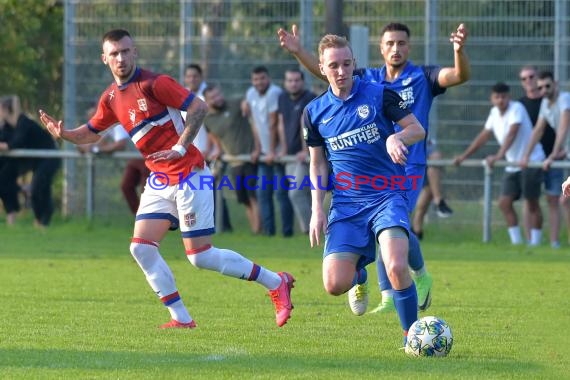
434 179
554 218
506 207
565 205
422 207
252 213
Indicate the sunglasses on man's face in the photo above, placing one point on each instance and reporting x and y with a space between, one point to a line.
544 87
529 77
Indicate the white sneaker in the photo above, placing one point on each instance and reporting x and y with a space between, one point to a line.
358 299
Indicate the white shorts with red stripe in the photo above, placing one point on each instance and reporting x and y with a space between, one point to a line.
188 205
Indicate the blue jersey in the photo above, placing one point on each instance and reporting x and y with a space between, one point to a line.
418 86
353 133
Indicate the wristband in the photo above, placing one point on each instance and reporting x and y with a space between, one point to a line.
180 149
95 149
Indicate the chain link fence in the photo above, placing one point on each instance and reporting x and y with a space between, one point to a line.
228 38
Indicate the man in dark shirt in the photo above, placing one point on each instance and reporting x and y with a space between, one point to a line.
231 130
27 134
292 102
8 177
531 101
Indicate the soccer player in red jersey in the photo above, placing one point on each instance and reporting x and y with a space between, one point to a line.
148 105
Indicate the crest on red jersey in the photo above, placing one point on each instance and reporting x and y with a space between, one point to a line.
142 104
190 219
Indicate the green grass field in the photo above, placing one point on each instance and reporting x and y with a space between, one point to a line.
75 305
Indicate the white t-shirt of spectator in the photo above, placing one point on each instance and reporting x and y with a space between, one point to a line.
501 124
201 139
551 113
261 106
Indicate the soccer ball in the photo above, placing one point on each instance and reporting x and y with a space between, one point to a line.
429 336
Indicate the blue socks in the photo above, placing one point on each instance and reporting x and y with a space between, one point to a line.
406 303
360 276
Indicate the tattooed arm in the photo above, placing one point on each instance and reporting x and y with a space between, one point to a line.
194 118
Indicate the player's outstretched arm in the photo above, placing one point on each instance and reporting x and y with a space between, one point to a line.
461 71
292 43
80 135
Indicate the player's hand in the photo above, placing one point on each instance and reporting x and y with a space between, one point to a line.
566 187
459 37
317 226
397 150
523 163
164 155
290 41
54 127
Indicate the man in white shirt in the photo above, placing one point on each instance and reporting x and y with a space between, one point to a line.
263 101
554 110
511 125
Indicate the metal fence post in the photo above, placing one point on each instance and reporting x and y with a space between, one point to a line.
487 202
89 185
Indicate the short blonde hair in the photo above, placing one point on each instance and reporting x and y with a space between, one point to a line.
332 41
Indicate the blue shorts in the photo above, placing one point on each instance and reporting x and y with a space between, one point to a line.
354 227
413 171
553 179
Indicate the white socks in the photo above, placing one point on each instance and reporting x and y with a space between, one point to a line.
515 235
535 236
230 263
159 276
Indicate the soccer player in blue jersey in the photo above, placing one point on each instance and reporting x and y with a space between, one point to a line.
418 86
351 127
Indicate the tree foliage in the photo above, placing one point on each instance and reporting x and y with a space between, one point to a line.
31 36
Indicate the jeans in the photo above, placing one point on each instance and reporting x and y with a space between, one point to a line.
270 177
300 197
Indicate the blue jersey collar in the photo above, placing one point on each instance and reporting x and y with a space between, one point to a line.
409 67
353 90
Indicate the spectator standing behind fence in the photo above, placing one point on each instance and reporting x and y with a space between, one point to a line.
511 125
554 110
9 187
194 81
292 102
531 100
229 128
148 105
28 134
431 193
263 101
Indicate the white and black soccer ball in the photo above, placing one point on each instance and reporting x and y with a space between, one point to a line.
429 336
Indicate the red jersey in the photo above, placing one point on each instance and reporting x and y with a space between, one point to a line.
148 107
